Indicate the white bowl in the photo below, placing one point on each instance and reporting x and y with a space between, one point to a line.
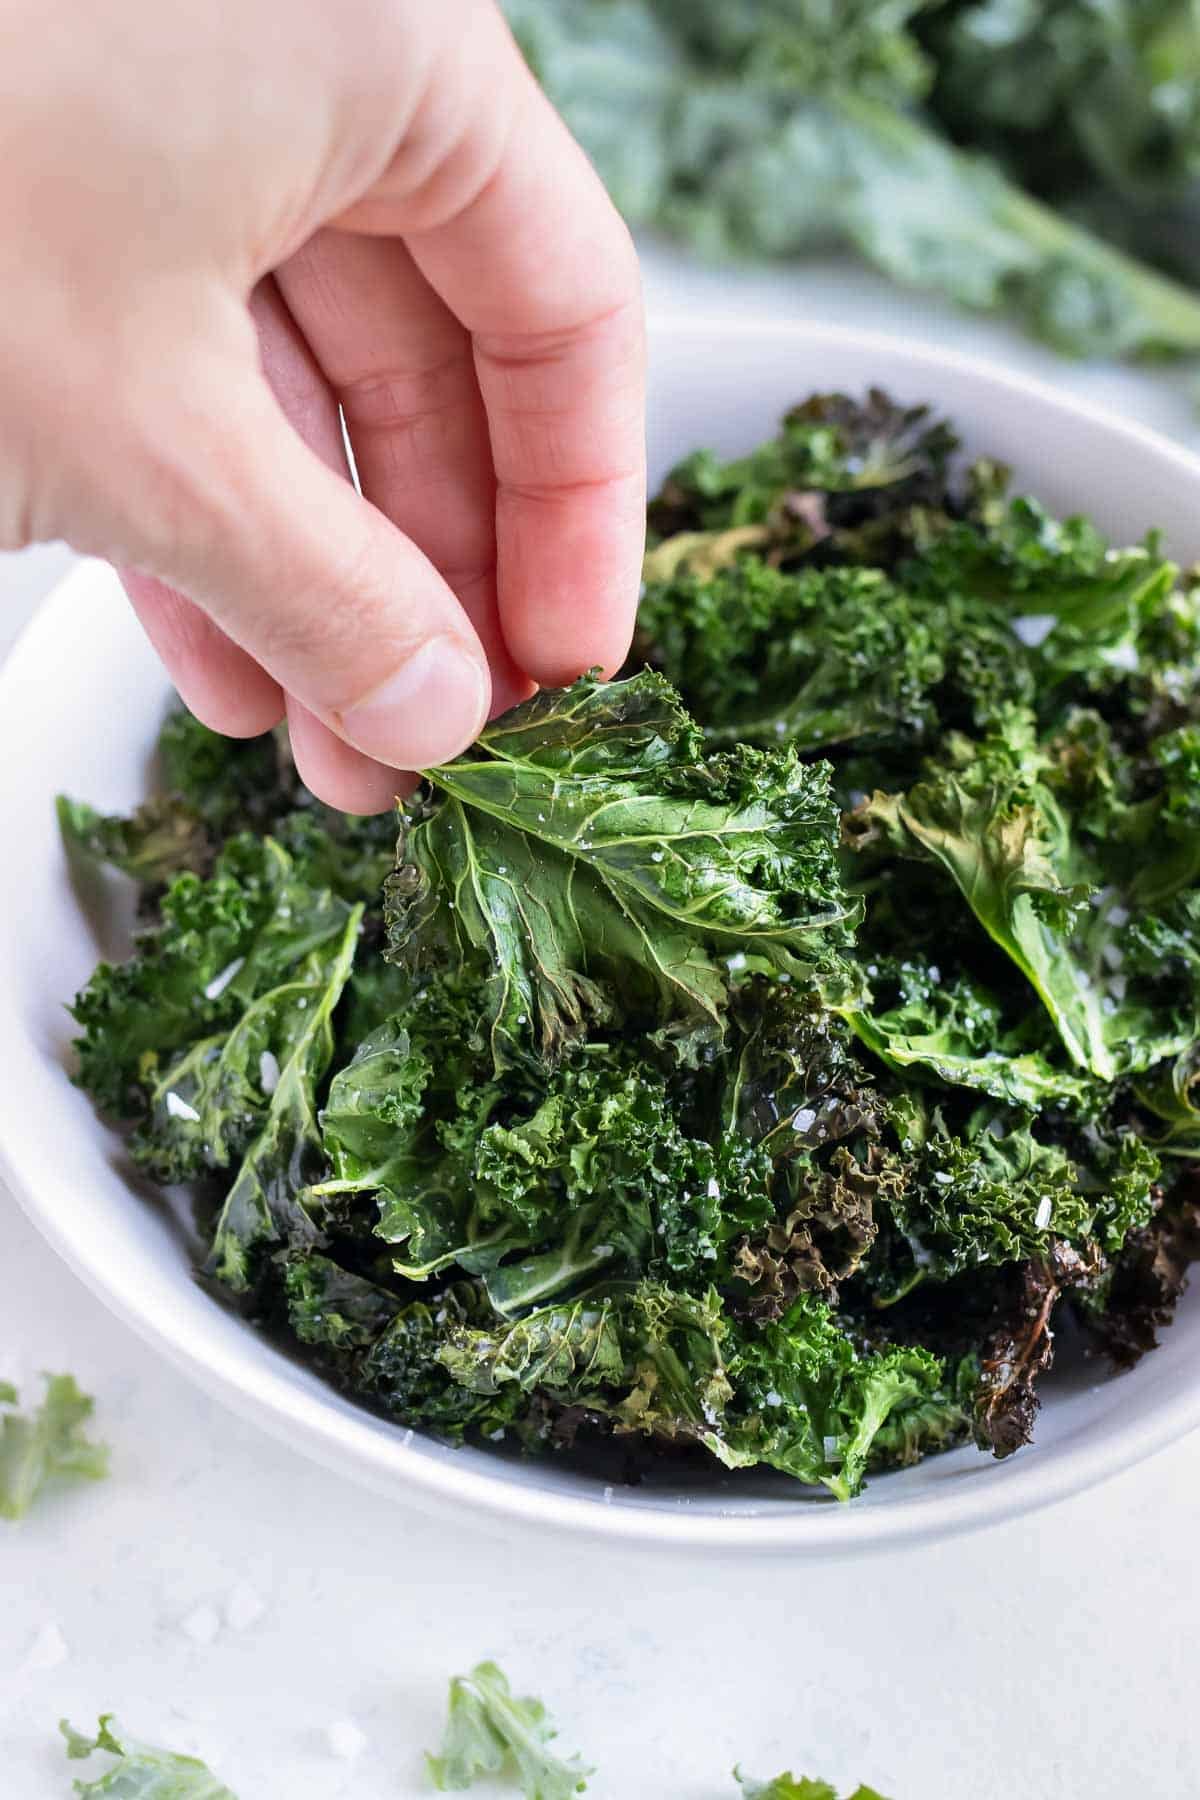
80 701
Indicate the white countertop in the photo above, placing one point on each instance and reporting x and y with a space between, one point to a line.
223 1596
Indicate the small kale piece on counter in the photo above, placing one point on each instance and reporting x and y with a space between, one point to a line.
141 1772
759 1055
45 1446
490 1731
797 1787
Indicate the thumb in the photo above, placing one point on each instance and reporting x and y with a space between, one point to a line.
307 576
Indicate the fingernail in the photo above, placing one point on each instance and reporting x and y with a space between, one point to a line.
427 711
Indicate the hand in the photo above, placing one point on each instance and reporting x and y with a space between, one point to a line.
220 224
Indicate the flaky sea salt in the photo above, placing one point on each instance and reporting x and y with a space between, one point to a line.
1033 628
47 1651
244 1607
179 1109
268 1071
345 1739
202 1624
219 983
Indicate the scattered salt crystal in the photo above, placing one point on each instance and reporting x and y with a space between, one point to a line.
935 974
219 983
1042 1216
345 1740
1118 916
1122 656
736 962
656 856
496 1435
179 1109
1034 628
202 1624
941 1178
713 1190
47 1651
268 1071
244 1607
602 1250
804 1120
771 1398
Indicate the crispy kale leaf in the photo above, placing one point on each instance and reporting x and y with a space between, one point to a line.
489 1730
1137 1297
591 857
792 1393
797 1787
39 1448
160 840
1049 861
216 1037
141 1772
1020 1347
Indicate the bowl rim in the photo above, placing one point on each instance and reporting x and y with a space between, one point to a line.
346 1441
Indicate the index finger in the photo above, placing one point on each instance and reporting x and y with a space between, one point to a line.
541 270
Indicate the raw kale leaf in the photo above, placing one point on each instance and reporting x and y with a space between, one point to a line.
47 1445
489 1731
787 130
141 1772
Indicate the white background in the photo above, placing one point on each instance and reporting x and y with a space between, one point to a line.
223 1596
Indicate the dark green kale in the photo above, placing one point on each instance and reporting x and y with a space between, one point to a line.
669 1088
965 147
588 858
